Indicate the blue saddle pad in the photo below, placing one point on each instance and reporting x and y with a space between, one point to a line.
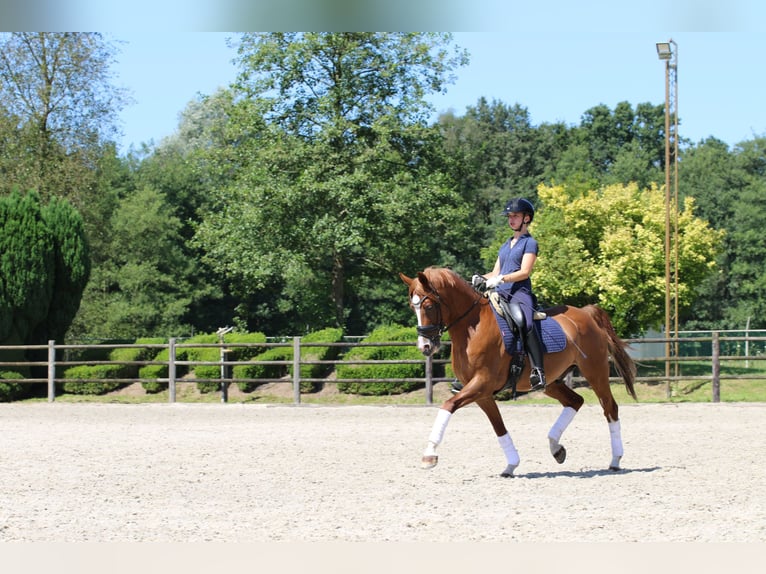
551 334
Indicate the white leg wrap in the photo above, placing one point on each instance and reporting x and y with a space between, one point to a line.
616 436
561 424
440 425
511 454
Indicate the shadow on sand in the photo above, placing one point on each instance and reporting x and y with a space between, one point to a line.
585 473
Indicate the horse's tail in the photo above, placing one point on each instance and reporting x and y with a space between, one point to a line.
623 362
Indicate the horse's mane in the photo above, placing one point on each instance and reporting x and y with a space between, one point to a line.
445 277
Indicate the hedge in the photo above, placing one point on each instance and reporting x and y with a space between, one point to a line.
286 354
384 334
89 373
10 391
158 371
13 391
214 354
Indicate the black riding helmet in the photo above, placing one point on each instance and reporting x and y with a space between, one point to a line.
520 205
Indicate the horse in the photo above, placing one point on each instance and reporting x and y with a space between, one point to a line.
444 301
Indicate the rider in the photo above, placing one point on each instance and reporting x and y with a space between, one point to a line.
510 277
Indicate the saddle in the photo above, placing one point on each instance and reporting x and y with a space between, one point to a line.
550 332
497 304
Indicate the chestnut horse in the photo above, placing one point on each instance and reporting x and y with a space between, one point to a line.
443 301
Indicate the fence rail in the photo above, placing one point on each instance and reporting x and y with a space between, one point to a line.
53 366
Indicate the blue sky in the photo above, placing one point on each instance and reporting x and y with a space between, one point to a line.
557 77
557 58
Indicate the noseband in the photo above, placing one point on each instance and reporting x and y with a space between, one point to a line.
434 332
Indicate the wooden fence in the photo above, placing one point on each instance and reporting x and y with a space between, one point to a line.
53 365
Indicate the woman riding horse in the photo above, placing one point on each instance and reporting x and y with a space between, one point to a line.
443 301
510 277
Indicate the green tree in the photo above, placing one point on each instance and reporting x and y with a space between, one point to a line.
607 247
614 146
44 265
492 153
729 186
143 288
335 187
180 167
71 268
59 108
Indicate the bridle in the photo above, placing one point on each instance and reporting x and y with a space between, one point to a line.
434 331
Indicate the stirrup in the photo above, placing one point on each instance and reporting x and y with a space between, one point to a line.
455 387
537 380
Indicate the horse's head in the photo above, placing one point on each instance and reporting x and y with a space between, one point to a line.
426 302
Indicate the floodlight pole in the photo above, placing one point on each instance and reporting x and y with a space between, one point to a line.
668 52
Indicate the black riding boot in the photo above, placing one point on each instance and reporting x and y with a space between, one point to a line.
534 348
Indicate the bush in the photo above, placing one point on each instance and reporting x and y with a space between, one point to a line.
10 391
278 371
386 334
203 354
331 335
242 353
160 371
214 354
274 371
197 354
89 385
14 391
88 375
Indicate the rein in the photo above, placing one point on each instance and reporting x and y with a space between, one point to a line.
435 331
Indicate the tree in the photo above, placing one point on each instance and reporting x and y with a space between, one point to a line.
729 186
144 288
606 246
620 146
334 183
45 265
493 152
61 105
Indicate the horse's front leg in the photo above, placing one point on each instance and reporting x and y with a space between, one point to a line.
465 397
430 458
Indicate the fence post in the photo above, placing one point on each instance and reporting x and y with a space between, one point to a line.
429 380
224 382
51 371
716 368
172 370
297 370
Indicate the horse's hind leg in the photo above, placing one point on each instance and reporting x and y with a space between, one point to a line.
512 459
615 433
599 382
571 402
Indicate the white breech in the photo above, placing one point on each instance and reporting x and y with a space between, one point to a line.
558 428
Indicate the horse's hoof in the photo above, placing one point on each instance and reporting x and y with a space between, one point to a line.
429 461
508 472
560 455
614 468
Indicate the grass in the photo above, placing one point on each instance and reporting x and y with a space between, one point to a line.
691 390
739 390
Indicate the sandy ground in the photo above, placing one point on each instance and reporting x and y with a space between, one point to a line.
260 473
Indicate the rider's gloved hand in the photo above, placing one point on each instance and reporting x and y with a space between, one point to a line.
493 282
477 280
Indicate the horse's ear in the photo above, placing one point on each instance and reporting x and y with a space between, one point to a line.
423 280
407 280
